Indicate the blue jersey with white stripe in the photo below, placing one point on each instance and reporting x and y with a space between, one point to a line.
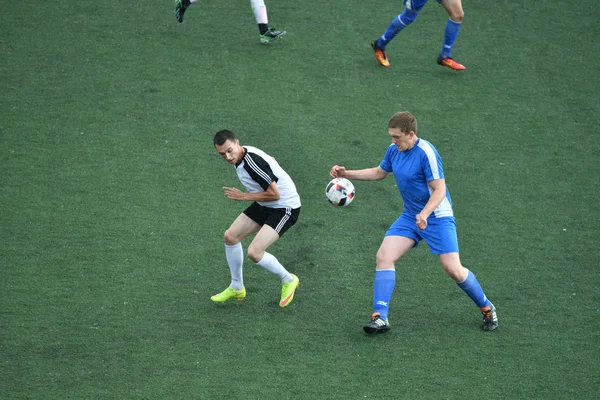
413 169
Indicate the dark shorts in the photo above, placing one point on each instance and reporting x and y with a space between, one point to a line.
280 219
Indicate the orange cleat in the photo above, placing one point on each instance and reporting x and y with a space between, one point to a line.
380 55
450 63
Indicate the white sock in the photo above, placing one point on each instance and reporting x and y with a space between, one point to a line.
271 264
260 11
235 259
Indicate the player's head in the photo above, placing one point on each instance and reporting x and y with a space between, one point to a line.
402 127
228 146
222 136
404 121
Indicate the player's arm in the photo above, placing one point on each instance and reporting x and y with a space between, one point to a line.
368 174
271 194
438 193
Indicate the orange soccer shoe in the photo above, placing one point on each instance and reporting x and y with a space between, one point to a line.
380 55
450 63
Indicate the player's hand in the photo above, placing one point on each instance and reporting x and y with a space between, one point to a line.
421 221
337 171
233 193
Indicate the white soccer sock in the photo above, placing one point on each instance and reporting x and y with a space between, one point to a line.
235 259
271 264
260 11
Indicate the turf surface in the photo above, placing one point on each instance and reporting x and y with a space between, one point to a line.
112 213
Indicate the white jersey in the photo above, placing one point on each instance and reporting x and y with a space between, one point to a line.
257 170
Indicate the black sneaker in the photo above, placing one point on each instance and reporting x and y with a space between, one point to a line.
271 35
490 319
180 7
377 324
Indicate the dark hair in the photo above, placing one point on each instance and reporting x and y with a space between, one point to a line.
223 136
404 121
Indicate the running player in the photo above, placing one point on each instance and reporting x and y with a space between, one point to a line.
408 16
265 34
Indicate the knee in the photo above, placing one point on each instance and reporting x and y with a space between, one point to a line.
457 272
255 254
230 238
383 261
457 15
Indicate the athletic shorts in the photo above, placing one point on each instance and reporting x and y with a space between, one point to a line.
416 5
440 233
280 219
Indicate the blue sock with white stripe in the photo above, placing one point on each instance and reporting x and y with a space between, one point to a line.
400 22
385 280
473 289
450 36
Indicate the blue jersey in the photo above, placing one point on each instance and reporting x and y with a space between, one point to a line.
413 169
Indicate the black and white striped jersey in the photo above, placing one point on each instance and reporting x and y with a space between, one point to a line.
257 170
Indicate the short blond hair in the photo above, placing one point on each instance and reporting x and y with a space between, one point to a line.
404 121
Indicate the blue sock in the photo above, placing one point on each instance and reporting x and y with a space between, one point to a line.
400 22
450 36
473 289
385 280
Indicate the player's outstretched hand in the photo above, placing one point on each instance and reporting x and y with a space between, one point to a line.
337 171
233 193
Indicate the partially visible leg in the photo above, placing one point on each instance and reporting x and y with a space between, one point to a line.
239 229
257 253
400 22
456 16
260 14
265 237
391 249
467 281
180 7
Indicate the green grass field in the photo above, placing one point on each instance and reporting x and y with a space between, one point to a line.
112 214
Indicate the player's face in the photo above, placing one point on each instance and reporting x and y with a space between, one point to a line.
402 141
231 152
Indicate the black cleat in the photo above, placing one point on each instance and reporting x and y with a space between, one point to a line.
490 319
377 324
271 35
180 7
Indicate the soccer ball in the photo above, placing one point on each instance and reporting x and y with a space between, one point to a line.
340 192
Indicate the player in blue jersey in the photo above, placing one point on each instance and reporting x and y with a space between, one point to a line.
408 16
274 209
427 216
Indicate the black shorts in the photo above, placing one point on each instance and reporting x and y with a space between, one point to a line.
280 219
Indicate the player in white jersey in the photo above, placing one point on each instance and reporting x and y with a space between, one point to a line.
427 215
275 208
265 34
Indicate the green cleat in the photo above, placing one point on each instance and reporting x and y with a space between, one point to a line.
180 7
287 291
271 35
229 293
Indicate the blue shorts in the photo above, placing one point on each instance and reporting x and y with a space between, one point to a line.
416 5
440 233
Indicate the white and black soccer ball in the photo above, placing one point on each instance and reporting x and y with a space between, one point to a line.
340 192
